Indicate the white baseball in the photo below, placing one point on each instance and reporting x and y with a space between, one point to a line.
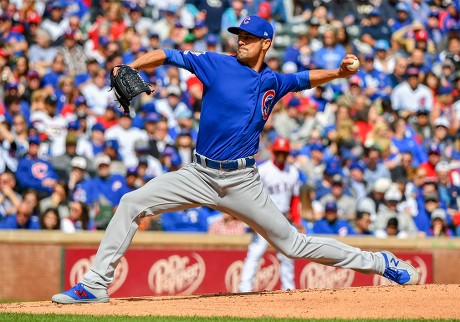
353 66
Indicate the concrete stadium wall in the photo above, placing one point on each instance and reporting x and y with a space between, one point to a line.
32 263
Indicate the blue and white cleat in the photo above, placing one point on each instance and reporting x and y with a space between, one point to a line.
399 271
81 294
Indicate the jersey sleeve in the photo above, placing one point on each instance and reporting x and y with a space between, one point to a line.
204 65
293 82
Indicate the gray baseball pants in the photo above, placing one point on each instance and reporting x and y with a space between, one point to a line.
239 193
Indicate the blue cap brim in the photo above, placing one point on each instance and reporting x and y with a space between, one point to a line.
236 31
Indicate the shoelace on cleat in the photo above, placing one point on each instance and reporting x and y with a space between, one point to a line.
392 273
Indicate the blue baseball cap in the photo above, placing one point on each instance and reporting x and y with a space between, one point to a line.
80 100
358 164
317 147
74 125
254 25
98 127
152 117
333 166
381 44
401 6
131 171
34 139
330 206
112 144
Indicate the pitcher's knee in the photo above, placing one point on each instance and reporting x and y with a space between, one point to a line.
131 204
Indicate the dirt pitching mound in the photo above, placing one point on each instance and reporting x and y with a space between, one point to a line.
419 301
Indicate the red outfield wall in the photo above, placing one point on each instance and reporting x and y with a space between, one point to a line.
147 272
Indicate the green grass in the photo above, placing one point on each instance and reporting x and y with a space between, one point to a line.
16 317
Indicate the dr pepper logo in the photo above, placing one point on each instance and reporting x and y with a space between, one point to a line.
177 275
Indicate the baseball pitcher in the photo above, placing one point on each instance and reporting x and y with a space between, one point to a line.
238 96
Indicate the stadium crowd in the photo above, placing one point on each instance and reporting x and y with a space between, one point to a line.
379 152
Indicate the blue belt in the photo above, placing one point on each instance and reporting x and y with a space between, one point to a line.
227 165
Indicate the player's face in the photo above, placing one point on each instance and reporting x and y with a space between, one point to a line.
281 157
249 47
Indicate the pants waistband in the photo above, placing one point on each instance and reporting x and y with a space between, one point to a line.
227 165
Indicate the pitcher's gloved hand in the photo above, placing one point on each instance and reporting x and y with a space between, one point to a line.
127 84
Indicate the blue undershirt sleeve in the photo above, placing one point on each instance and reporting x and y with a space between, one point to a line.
303 79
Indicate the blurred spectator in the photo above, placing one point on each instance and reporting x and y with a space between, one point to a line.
51 126
439 226
78 219
422 126
9 198
376 29
112 150
357 183
384 61
389 210
363 221
141 24
57 199
185 147
171 106
56 23
190 220
444 114
14 42
376 84
110 116
210 13
97 139
232 17
170 159
405 168
42 54
22 219
378 191
330 224
78 182
51 77
126 135
97 93
411 96
402 17
329 56
50 220
391 230
74 54
300 52
399 73
311 210
34 172
313 166
324 186
62 162
227 225
346 204
375 168
404 141
153 165
106 187
434 156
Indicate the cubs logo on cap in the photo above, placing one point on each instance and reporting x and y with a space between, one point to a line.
254 25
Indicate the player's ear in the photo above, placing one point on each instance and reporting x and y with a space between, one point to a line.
266 44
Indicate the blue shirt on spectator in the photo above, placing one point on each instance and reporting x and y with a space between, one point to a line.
10 222
190 220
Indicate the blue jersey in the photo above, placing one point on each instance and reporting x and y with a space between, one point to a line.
236 101
190 220
110 188
32 171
